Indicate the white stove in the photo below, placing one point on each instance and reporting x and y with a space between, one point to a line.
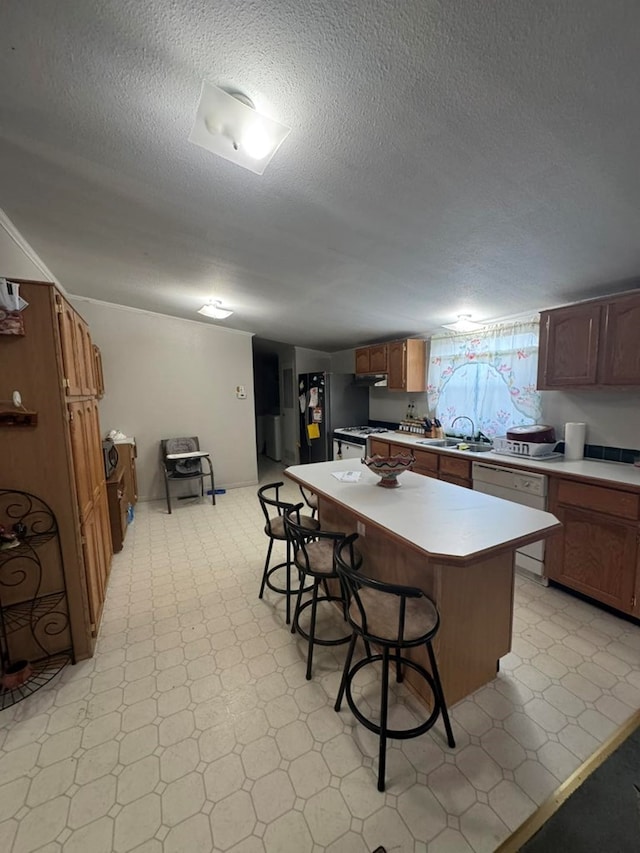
351 442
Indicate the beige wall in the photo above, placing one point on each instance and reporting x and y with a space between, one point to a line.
169 377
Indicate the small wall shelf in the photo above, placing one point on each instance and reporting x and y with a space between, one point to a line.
18 418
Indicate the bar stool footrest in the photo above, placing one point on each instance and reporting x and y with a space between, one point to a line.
280 589
305 634
397 734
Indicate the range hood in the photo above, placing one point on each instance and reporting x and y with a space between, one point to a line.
377 380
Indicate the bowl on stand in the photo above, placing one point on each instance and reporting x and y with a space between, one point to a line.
388 468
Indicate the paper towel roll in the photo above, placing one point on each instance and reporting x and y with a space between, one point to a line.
574 435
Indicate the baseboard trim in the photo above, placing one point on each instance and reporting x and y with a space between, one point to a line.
227 487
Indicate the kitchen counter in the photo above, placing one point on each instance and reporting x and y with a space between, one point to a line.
455 544
616 473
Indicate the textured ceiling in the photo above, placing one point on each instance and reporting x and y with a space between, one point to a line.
444 157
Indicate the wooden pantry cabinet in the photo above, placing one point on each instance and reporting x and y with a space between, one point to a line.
53 365
591 344
597 552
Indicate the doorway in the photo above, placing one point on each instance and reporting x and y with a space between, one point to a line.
273 377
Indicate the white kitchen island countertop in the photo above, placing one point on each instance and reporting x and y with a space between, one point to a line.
442 520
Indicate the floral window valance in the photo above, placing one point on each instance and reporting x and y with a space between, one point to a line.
489 376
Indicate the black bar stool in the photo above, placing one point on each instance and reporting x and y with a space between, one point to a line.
393 617
311 500
315 558
269 497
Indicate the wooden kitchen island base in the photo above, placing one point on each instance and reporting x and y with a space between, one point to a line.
475 603
455 544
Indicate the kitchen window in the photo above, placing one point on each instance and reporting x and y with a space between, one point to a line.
489 376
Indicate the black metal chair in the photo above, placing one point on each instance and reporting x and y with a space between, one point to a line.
393 618
269 497
314 557
311 500
181 460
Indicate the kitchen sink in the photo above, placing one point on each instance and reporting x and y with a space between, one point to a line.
473 447
440 442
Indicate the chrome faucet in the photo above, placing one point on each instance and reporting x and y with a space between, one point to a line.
465 418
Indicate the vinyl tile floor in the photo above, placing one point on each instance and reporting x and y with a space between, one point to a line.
193 729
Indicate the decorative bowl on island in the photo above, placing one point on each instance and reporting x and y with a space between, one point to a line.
388 468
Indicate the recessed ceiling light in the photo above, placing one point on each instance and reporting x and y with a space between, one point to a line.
464 323
228 124
215 310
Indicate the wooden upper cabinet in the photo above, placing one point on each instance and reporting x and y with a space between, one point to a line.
378 358
371 359
406 365
362 360
591 345
569 341
84 349
67 326
78 356
621 362
97 369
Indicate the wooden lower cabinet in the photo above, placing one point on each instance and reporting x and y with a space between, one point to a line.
596 555
122 492
380 448
455 470
426 463
127 459
597 552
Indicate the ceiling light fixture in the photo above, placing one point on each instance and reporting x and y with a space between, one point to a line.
214 309
464 323
228 124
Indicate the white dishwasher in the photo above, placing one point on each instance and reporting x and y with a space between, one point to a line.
521 487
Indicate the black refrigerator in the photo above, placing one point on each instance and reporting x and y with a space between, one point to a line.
327 401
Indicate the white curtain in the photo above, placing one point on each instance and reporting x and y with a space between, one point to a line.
489 376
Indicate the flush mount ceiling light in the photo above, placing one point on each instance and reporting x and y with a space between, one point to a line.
228 124
464 323
214 309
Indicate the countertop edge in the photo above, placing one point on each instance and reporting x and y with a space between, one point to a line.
610 473
448 559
